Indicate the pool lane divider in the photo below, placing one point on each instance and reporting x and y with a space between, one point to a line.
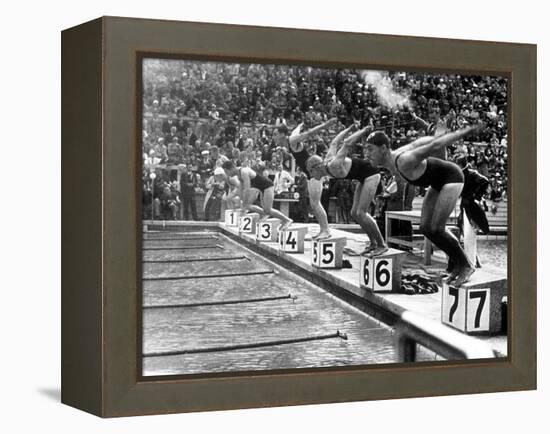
252 345
216 246
210 237
210 276
223 302
177 261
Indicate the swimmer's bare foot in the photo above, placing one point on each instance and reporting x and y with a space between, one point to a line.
367 250
449 277
378 250
323 235
464 275
286 225
263 218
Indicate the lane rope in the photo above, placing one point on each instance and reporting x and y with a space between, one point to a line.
176 261
338 334
223 302
210 276
216 246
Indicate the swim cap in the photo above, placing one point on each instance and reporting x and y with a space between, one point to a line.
313 162
378 138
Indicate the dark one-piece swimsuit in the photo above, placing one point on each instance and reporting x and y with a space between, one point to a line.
438 173
260 182
359 170
301 158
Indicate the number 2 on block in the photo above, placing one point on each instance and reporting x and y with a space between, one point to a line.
246 225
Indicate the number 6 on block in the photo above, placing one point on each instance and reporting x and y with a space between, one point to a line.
376 273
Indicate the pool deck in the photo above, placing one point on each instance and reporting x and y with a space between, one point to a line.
427 305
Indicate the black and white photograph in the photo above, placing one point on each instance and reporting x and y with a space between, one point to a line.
275 218
303 217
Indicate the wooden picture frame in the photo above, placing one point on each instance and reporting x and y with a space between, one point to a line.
101 228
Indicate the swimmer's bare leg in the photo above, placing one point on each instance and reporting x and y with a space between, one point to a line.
267 204
363 197
315 189
436 209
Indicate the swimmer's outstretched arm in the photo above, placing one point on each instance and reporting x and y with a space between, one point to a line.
421 122
334 145
438 143
296 137
343 151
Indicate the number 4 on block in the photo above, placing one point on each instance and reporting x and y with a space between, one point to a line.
292 240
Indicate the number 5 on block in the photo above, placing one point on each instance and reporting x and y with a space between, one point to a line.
327 253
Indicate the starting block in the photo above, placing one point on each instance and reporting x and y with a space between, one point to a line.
476 306
383 272
292 240
268 230
327 253
232 217
247 223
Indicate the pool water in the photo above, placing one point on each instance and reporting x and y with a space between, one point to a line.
242 320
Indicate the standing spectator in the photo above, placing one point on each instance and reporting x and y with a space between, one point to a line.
216 188
188 183
282 180
206 166
174 151
170 202
181 124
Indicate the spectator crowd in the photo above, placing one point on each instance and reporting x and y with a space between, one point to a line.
196 112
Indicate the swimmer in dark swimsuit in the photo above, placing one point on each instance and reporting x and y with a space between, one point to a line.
444 181
299 152
251 185
338 165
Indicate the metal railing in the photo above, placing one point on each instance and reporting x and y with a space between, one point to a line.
412 329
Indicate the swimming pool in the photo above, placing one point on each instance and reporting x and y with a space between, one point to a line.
212 305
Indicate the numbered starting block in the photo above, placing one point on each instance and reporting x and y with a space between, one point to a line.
382 273
232 217
327 253
292 240
268 230
477 306
247 223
